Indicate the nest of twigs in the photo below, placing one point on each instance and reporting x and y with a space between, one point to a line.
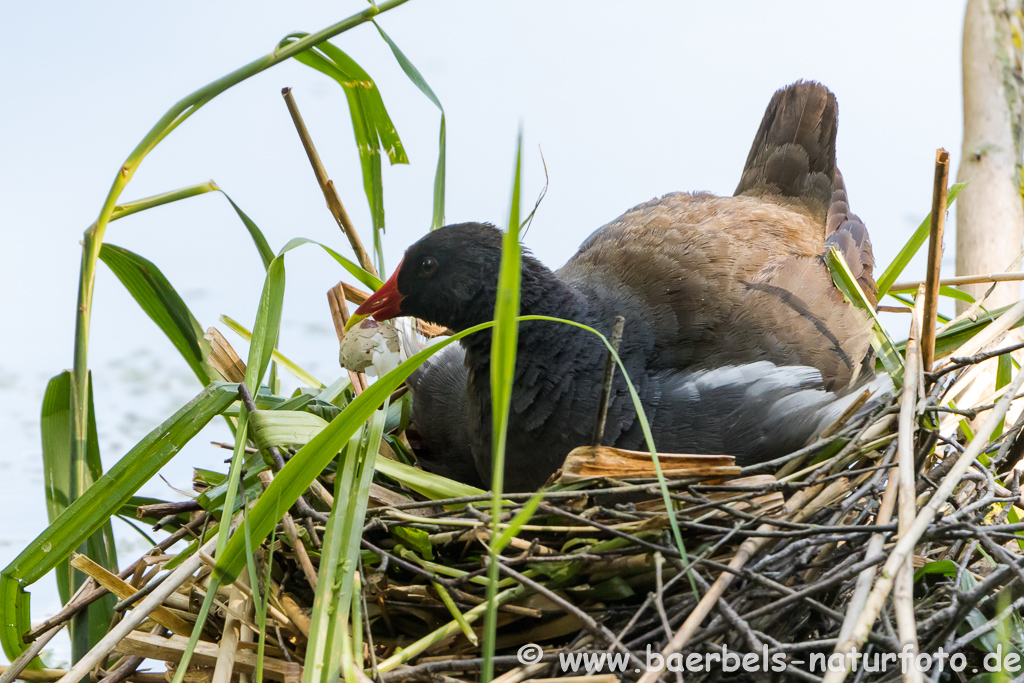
784 562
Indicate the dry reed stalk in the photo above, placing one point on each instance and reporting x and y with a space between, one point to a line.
237 603
106 645
334 204
122 589
205 654
223 357
875 544
340 315
903 596
931 295
522 673
1013 276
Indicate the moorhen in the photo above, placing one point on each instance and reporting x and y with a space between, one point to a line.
735 336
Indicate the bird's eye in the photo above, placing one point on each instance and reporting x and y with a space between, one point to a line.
428 266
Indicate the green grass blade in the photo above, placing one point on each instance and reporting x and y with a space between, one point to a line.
56 434
417 78
116 487
522 517
943 291
98 504
884 347
93 238
311 459
155 295
266 253
297 428
910 249
367 278
329 649
264 320
433 486
268 323
128 208
323 661
64 483
503 368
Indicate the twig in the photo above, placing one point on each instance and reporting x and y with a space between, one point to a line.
800 506
957 362
606 382
159 510
124 671
292 532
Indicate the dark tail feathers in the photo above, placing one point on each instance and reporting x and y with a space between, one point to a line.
794 151
848 234
793 158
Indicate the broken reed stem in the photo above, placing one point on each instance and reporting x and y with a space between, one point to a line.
83 599
931 295
905 545
903 596
340 315
123 589
334 204
140 613
606 382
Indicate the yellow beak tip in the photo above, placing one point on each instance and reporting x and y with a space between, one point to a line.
354 320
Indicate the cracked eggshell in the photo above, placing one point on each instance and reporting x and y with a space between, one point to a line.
370 345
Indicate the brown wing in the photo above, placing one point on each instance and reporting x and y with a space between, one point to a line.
715 280
707 280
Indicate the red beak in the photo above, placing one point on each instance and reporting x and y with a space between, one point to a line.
384 304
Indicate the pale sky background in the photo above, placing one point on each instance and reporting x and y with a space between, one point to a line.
627 100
